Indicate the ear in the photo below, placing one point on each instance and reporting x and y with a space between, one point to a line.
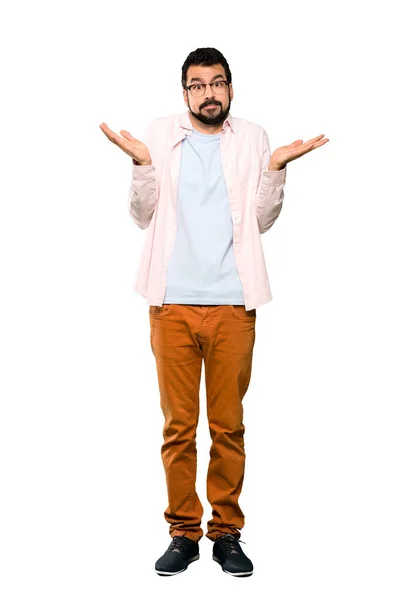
185 96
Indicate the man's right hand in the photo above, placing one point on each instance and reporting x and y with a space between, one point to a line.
133 147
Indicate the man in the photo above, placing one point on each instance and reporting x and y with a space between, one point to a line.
207 186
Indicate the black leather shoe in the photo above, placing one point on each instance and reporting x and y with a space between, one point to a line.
228 553
179 554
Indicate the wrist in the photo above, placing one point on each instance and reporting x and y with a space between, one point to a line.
273 166
143 164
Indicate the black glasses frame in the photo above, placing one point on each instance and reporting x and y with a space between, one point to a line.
188 87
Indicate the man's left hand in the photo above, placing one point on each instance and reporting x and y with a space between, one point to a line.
285 154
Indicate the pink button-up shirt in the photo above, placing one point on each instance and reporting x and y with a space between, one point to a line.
255 197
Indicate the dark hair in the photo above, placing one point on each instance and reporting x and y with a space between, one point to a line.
205 57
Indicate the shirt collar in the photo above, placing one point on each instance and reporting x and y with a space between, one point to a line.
185 122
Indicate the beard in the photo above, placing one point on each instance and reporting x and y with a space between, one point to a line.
214 116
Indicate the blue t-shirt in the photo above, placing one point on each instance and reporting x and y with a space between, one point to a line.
202 267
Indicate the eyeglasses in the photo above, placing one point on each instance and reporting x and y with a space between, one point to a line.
198 89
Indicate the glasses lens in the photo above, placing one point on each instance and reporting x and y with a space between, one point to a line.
219 86
197 90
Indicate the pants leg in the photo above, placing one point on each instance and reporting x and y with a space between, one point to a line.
227 341
179 359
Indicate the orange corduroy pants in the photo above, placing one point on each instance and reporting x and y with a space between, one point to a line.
182 335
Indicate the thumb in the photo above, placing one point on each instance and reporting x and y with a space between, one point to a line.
127 135
296 143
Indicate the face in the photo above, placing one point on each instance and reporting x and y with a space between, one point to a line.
198 106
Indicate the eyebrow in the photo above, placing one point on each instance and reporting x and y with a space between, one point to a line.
201 79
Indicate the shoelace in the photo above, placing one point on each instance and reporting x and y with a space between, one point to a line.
231 542
178 542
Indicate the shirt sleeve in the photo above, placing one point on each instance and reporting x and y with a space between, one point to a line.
269 195
143 189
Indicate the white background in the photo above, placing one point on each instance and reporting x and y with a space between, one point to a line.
83 488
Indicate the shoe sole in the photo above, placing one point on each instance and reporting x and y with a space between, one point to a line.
168 573
244 574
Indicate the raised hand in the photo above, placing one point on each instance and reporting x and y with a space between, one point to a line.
132 146
285 154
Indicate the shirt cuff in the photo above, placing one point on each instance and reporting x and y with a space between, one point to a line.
141 171
275 177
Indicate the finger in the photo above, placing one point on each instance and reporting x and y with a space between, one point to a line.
321 143
116 139
112 135
106 130
315 145
315 139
